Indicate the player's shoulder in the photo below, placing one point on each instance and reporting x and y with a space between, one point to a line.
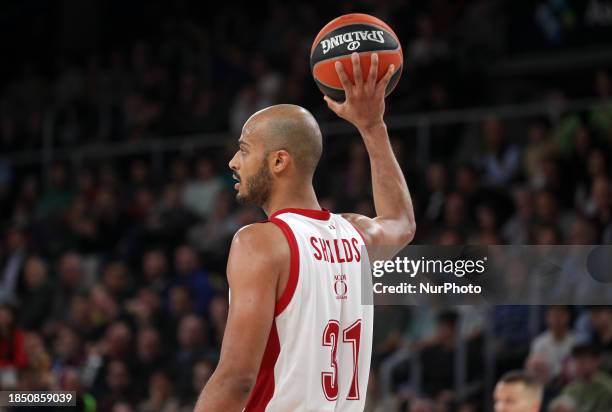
355 218
263 238
364 225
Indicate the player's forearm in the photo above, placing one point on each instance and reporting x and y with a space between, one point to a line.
224 394
392 199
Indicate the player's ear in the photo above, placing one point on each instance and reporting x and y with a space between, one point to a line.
280 161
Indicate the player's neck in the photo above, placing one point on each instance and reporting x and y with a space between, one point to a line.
297 197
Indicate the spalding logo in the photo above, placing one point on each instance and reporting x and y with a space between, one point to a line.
354 45
353 39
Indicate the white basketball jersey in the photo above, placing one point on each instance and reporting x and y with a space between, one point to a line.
318 353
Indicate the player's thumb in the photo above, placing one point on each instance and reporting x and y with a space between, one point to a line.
334 106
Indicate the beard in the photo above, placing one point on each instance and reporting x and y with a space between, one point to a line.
258 187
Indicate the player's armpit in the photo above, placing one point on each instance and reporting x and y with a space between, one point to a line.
258 255
381 232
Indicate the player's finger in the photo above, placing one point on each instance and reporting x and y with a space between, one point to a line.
346 83
381 86
357 75
373 69
334 106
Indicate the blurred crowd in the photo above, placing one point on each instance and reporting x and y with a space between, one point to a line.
112 272
183 70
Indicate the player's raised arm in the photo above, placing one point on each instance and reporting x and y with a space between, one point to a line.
364 107
257 256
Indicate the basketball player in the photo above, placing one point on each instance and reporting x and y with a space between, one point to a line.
297 337
517 391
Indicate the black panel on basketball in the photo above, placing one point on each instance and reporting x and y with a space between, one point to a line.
353 38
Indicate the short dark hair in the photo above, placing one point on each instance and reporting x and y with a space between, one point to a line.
586 349
531 382
519 376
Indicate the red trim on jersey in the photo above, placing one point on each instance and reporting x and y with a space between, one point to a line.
264 385
294 266
322 214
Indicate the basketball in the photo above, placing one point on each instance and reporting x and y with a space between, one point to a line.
345 35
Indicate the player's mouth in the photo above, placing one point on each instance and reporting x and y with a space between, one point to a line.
237 184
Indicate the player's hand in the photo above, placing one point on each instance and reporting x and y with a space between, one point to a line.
365 100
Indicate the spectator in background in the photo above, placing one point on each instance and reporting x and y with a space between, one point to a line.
467 406
438 355
155 270
116 280
426 48
150 356
421 405
562 403
517 392
548 212
591 389
71 281
179 304
581 143
59 194
161 397
213 236
601 117
516 230
13 356
79 315
557 341
118 386
202 372
139 178
354 180
538 366
500 160
145 309
599 206
68 350
115 346
389 329
601 332
111 223
39 362
546 235
122 407
540 146
200 194
437 183
193 277
170 219
456 216
117 342
219 308
192 346
512 331
37 300
11 264
584 198
70 380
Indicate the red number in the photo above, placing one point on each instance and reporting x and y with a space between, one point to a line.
329 380
352 335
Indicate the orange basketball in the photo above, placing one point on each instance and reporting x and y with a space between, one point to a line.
345 35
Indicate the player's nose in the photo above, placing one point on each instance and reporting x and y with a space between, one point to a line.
233 163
